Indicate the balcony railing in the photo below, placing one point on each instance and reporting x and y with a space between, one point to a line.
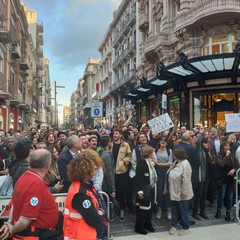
205 8
125 78
125 25
128 50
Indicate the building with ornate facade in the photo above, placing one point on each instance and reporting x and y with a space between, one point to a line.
188 52
19 64
185 49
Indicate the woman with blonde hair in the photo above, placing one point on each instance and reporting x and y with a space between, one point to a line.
83 215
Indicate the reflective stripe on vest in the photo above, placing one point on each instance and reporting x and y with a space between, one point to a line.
72 214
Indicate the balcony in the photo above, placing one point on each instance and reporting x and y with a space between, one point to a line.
39 28
152 45
16 50
25 103
3 91
124 79
40 40
208 11
40 52
14 101
5 34
144 22
24 64
105 92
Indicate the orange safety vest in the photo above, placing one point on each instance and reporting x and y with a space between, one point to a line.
74 226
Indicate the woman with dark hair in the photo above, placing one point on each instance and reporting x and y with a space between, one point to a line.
146 179
83 216
226 165
179 185
163 163
51 141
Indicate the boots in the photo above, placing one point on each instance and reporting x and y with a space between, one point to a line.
228 217
218 214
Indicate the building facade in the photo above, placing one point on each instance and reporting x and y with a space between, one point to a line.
19 61
188 51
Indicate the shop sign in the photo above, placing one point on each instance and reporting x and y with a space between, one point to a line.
232 122
160 123
164 101
97 109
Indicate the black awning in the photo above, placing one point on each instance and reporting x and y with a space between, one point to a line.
200 69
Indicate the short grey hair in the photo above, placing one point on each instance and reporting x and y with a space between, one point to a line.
71 141
40 158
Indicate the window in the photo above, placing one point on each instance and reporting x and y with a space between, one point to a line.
219 44
1 61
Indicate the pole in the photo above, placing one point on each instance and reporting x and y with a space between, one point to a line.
55 104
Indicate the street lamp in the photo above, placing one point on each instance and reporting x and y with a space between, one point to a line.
55 102
55 98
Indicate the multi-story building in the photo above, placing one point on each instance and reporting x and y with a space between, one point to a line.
105 67
19 65
66 114
124 58
15 44
41 78
88 89
192 47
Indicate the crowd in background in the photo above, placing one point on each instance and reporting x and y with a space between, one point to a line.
140 169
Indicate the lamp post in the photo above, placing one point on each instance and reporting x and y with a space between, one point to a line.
55 98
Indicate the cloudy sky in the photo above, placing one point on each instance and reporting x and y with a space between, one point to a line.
73 31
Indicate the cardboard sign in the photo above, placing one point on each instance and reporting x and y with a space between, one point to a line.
161 123
232 122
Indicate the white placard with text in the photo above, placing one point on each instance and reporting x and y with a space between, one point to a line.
161 123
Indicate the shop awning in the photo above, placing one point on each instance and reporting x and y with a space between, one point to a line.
200 69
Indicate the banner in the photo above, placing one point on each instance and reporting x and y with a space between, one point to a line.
161 123
232 122
6 204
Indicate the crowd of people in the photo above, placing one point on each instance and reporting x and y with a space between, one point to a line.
171 174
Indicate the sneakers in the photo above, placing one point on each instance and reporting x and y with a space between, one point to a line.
173 231
169 214
159 214
121 216
183 232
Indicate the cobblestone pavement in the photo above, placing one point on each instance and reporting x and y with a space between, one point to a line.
126 228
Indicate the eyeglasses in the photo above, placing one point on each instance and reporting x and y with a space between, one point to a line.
163 140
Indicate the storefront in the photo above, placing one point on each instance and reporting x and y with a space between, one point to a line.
199 90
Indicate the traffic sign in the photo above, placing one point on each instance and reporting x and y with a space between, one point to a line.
97 109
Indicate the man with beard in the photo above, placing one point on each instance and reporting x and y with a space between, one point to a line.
122 156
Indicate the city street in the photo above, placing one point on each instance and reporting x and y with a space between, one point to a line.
214 229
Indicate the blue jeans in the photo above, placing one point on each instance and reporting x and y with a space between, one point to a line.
225 193
180 210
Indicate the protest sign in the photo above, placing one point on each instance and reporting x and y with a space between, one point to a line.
232 122
161 123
